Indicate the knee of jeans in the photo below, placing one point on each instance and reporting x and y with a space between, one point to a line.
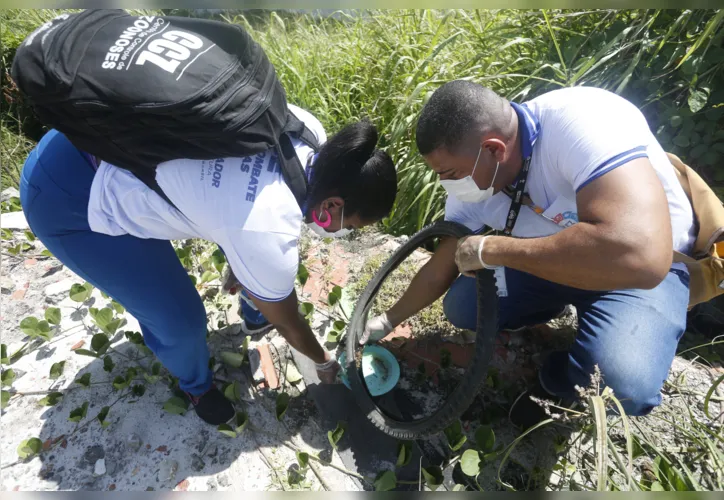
456 314
637 386
191 325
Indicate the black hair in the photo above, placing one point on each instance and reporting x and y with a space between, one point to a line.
456 113
350 167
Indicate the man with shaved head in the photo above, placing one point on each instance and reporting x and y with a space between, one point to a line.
588 212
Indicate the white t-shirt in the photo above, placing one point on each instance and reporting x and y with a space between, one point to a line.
241 204
576 135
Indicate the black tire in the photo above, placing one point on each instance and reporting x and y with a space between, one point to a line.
465 392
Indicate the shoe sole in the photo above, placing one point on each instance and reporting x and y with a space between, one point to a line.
257 331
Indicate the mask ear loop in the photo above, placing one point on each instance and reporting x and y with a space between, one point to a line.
318 222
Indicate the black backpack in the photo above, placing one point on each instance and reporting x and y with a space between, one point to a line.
136 91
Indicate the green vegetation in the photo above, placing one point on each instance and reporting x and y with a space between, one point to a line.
385 64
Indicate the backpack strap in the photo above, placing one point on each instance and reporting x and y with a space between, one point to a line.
292 169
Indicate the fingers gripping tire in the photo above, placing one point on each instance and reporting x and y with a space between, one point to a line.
465 392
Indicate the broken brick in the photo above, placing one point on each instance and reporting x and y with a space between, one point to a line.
112 487
18 294
162 449
78 345
30 262
183 485
267 366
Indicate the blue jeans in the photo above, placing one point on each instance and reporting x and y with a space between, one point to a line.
252 316
631 335
144 275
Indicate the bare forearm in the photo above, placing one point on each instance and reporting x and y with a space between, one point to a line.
583 256
300 336
425 288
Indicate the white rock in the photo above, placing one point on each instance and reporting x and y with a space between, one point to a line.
100 467
8 193
14 220
255 363
167 470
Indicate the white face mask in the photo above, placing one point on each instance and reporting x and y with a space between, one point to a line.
466 190
319 230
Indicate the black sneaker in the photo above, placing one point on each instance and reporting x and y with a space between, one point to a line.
525 412
255 328
212 406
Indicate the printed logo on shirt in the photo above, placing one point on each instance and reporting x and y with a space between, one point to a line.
565 219
216 172
254 178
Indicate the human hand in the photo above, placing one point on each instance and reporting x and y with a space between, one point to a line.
229 283
376 329
327 371
469 255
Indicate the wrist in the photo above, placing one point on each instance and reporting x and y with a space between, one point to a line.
488 253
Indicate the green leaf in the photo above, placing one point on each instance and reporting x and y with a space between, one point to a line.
57 369
102 317
241 420
697 99
117 307
175 405
120 383
80 293
332 299
52 315
4 354
386 481
103 415
79 413
455 437
156 368
676 121
292 374
85 352
333 337
433 477
14 250
404 453
682 141
100 343
710 393
84 380
46 253
302 459
29 326
30 236
282 404
470 463
219 260
112 326
108 364
7 377
306 308
138 390
335 435
29 448
302 274
459 487
44 331
6 233
485 438
207 277
226 430
233 391
339 325
51 399
104 295
233 359
4 398
657 486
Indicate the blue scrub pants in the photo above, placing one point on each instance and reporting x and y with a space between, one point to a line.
144 275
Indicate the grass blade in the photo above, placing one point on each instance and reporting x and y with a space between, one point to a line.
599 413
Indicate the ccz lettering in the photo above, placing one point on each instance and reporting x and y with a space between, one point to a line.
168 51
216 175
126 38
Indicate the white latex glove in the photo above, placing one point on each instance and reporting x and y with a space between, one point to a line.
327 371
376 329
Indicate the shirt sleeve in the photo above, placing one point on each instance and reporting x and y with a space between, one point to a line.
595 139
314 125
265 263
469 215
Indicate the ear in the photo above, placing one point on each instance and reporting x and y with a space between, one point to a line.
496 148
334 202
